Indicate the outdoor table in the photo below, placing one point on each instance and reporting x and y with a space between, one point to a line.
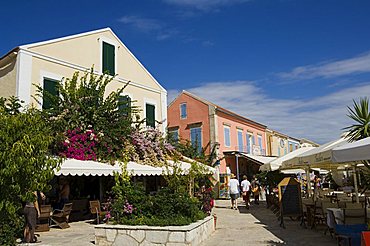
338 192
335 216
332 197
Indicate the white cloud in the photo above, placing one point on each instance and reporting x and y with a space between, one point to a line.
205 5
154 27
142 24
171 95
356 65
320 119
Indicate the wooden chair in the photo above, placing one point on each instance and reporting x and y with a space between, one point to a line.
43 220
353 205
324 209
318 214
61 217
95 209
354 216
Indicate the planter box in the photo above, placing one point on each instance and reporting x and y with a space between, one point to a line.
192 234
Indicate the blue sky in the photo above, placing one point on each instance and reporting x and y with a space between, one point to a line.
293 65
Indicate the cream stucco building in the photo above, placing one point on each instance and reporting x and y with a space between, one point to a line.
48 61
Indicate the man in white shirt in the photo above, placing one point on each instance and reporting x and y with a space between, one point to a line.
246 190
234 191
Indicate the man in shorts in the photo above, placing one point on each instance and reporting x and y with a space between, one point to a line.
246 190
234 191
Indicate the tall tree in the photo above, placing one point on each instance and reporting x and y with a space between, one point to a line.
361 128
25 163
361 115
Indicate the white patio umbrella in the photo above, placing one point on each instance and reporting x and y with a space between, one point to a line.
275 164
355 151
321 157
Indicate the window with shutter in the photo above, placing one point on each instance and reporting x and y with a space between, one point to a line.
50 88
108 58
150 115
124 105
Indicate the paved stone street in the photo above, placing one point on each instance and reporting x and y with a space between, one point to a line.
257 226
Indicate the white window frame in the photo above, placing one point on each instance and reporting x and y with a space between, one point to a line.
259 137
155 104
47 75
122 94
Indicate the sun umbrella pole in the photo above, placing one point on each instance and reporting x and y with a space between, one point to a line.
308 180
355 183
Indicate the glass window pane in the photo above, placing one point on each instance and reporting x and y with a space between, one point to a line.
196 138
50 89
150 115
183 111
227 136
240 141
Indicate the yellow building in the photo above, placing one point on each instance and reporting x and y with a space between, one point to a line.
279 144
49 61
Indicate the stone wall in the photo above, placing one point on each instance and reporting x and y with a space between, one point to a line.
192 234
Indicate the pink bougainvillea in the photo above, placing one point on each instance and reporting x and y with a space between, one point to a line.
80 144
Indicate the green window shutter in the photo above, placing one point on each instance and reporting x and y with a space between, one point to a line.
150 115
124 105
50 89
108 58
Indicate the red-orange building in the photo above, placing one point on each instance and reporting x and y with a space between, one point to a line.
240 142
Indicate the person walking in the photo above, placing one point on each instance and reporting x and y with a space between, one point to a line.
245 184
31 212
255 190
234 191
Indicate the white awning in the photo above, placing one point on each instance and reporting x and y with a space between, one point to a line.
136 169
185 166
78 168
258 159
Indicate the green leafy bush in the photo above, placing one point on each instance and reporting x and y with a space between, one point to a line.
167 207
25 164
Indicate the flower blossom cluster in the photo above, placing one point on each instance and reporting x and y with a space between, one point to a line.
80 144
150 146
128 208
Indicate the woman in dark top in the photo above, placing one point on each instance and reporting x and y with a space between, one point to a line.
30 211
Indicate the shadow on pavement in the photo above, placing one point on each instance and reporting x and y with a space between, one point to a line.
293 234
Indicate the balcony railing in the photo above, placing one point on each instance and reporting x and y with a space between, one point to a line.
255 150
